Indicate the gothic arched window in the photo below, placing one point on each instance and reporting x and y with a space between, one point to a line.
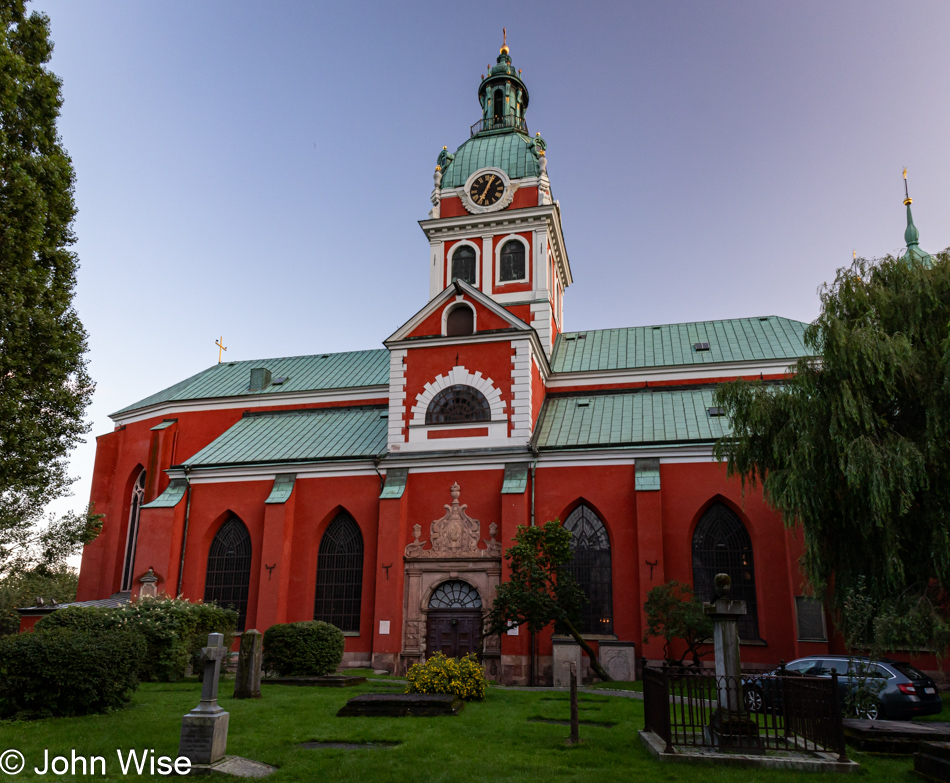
132 531
463 264
458 404
340 575
498 107
721 545
455 594
512 261
590 566
229 568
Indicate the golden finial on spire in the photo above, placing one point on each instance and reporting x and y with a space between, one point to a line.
504 41
907 198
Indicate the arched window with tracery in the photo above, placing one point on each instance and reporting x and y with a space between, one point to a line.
590 566
457 405
721 545
340 575
512 261
463 264
132 531
455 594
229 568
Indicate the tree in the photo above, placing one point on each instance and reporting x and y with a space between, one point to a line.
540 591
44 386
51 583
674 611
852 446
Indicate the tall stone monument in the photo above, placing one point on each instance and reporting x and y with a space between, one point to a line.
730 725
247 682
204 730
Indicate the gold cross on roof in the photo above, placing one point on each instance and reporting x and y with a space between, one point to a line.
220 343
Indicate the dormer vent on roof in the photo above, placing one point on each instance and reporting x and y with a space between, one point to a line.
260 379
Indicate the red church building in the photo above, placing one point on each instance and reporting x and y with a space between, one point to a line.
377 489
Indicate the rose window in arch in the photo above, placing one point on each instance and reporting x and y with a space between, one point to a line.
455 594
458 404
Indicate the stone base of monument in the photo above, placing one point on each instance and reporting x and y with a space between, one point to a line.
398 705
329 681
204 736
733 730
932 761
234 765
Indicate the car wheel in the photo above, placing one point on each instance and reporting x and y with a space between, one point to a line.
754 701
872 712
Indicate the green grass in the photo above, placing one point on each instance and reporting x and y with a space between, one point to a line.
618 686
943 716
491 741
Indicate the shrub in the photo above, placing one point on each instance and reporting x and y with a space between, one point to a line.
173 629
67 671
439 674
309 648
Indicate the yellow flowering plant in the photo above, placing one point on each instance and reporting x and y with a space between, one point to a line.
439 674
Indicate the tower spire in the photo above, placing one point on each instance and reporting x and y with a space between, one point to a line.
911 234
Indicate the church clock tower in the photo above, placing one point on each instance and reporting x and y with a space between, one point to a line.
493 222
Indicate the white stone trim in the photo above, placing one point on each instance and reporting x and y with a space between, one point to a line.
437 269
249 401
458 302
458 375
683 372
502 241
541 323
397 396
521 392
478 260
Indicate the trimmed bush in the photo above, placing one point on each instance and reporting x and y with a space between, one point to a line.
312 648
439 674
174 630
65 671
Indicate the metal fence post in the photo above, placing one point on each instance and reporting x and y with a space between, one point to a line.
837 718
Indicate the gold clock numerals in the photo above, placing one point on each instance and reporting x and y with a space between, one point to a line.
487 189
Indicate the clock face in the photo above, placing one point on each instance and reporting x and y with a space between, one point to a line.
487 189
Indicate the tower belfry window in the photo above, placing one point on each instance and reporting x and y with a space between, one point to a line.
498 106
463 264
512 261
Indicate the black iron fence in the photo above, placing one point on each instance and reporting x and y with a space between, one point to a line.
501 123
752 713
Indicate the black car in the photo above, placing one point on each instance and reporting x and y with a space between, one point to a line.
894 690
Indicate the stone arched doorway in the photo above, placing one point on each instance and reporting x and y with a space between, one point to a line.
454 620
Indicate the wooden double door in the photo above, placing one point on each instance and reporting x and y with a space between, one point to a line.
453 632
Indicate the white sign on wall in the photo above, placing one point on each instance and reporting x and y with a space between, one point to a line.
384 628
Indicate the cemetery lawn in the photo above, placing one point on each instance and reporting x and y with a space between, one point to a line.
493 740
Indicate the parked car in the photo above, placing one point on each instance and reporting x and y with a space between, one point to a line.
895 690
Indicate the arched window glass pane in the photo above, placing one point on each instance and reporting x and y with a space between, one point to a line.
463 264
340 575
455 594
460 321
512 261
132 531
721 545
590 566
498 106
458 404
229 568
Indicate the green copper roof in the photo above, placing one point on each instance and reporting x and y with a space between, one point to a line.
302 373
170 498
516 478
298 436
282 490
735 340
634 419
395 483
646 477
511 152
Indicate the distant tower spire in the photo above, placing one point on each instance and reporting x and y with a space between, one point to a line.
504 41
912 235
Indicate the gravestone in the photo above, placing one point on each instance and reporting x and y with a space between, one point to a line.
730 725
619 660
397 705
565 653
204 730
247 683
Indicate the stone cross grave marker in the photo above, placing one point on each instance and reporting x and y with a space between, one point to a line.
204 730
247 683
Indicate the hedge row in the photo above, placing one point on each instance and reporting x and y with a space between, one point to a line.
63 671
311 648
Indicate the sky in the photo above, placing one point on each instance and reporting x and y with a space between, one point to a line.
256 170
